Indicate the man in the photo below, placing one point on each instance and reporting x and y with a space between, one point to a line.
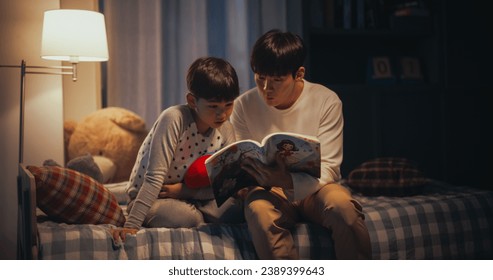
284 101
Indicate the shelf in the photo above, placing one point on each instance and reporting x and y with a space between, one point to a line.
371 33
403 88
343 56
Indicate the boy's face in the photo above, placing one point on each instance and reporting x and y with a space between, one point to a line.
211 113
279 91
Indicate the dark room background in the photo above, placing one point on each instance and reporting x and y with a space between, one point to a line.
440 116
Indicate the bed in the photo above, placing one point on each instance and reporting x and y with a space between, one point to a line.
442 222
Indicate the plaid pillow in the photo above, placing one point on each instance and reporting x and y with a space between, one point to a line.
69 196
387 176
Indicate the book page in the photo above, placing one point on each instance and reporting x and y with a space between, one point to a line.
291 135
230 156
225 172
300 153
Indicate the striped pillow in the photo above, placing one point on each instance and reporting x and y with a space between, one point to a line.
387 176
69 196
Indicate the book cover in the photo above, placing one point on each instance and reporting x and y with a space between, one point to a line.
301 153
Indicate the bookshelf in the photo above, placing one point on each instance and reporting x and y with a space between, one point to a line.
444 122
340 50
384 115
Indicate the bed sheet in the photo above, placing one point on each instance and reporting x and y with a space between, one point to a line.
209 241
446 222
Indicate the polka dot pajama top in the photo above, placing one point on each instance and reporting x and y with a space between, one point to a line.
170 147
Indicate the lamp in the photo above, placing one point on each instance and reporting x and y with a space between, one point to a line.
68 35
74 35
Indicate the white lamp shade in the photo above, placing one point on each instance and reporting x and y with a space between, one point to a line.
74 35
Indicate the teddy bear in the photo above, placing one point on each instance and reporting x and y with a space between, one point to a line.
112 136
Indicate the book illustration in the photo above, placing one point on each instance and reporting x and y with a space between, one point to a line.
301 153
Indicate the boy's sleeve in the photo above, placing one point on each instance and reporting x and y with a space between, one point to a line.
164 140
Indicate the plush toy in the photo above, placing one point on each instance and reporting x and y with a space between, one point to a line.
84 164
112 136
196 176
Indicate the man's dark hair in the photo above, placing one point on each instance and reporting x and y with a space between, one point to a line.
213 79
278 53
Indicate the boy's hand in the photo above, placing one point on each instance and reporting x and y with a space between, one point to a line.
121 233
171 191
178 190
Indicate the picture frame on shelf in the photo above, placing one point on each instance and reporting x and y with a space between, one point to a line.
380 70
410 70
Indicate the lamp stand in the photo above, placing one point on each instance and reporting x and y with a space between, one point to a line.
25 69
23 194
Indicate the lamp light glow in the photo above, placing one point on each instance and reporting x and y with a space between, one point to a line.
74 35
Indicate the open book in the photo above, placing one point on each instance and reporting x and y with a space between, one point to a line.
301 154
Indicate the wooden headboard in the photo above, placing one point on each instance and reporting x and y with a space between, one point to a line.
27 231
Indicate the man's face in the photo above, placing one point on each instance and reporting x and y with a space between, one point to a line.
278 91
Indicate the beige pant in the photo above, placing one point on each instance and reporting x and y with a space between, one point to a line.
270 216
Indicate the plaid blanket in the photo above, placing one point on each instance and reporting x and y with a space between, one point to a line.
210 242
445 223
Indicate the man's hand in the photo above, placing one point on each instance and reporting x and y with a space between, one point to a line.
276 174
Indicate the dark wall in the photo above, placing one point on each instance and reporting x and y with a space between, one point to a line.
467 98
468 37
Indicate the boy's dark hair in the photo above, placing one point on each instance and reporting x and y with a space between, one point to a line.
278 53
213 79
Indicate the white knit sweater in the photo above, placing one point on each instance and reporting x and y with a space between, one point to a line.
317 112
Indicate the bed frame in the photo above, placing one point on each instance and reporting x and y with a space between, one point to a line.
27 237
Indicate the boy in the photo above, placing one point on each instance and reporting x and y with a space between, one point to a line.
181 134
